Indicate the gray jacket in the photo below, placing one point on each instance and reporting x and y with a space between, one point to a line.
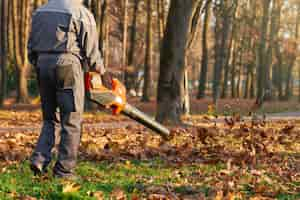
65 26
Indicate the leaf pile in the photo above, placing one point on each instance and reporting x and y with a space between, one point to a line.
232 159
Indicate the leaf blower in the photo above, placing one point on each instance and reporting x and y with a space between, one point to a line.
115 99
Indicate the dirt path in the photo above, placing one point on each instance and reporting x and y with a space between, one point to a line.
284 115
86 126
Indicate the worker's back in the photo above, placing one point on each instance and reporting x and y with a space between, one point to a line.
65 26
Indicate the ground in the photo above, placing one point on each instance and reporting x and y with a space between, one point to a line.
231 157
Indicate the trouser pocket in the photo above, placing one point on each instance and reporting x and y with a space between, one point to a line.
65 77
66 100
70 86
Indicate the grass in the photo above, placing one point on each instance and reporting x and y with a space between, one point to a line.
132 177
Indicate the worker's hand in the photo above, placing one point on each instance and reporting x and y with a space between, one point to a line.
107 80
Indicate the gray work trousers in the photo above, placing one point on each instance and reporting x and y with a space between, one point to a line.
61 86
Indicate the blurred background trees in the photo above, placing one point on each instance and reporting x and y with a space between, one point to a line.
202 49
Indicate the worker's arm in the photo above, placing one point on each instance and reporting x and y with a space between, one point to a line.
90 44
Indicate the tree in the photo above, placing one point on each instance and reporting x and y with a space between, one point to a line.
204 60
20 23
148 58
291 52
129 75
3 48
224 11
172 61
125 33
261 67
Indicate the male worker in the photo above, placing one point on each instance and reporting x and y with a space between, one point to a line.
63 37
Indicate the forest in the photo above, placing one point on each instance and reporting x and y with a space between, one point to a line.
222 75
220 49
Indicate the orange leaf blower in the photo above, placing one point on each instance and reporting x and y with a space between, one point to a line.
115 99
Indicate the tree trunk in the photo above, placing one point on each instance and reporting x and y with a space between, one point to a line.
186 94
292 56
106 43
204 60
261 68
160 16
22 85
172 61
238 83
252 86
225 11
130 76
279 71
148 82
247 85
3 48
125 32
102 26
233 69
299 85
227 69
274 29
20 46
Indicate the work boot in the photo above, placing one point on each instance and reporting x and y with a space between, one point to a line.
38 169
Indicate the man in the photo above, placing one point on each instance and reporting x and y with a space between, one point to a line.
63 37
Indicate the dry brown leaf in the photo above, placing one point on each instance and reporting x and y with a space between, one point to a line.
158 197
98 195
118 194
70 187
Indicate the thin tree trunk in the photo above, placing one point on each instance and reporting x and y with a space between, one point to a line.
204 60
238 84
160 14
227 68
186 94
233 70
106 43
129 76
3 49
102 26
261 80
21 41
252 86
125 33
148 58
10 41
292 59
247 85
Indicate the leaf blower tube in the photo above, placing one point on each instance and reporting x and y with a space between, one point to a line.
116 100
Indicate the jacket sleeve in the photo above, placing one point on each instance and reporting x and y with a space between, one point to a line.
90 45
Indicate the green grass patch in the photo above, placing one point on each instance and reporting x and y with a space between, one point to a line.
132 177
